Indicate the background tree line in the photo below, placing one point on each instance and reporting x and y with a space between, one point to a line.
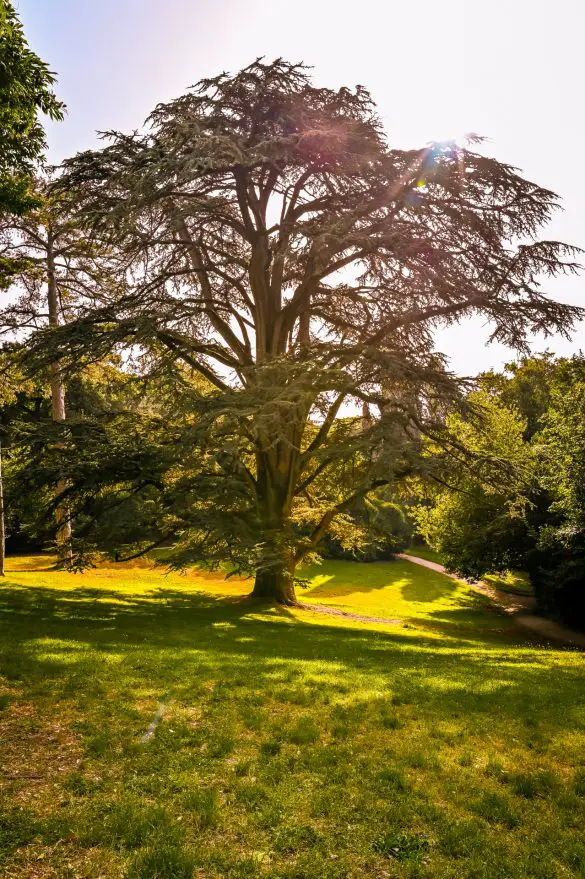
523 506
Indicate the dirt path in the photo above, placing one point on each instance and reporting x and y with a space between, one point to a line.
513 604
552 631
358 617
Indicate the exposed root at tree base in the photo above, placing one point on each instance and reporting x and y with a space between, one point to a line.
270 601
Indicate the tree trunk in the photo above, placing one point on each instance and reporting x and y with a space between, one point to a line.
58 413
277 463
2 525
274 584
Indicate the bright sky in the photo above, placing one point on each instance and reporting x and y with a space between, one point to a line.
512 70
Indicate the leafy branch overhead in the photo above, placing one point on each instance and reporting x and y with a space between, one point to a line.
26 92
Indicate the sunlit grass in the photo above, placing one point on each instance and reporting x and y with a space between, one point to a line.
292 745
397 590
516 582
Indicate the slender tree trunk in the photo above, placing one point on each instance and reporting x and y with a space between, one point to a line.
58 413
2 525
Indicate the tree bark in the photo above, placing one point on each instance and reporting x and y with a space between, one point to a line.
2 523
275 574
275 584
58 413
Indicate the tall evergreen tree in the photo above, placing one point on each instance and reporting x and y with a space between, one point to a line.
52 268
281 248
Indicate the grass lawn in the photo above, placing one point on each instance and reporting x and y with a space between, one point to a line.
399 590
292 745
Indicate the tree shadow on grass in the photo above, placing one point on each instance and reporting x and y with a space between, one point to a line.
428 588
341 579
68 642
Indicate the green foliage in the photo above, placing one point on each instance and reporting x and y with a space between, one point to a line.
524 385
117 432
375 528
562 445
49 243
524 506
476 519
557 566
25 92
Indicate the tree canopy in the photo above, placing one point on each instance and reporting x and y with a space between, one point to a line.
278 246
